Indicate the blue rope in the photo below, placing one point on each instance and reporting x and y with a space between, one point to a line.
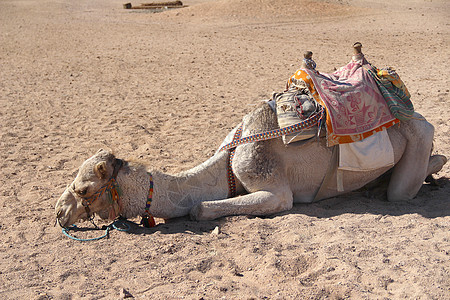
108 228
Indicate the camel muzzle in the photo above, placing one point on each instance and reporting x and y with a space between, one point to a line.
68 210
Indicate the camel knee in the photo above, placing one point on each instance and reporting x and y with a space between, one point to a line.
286 201
396 195
275 202
415 164
257 204
406 186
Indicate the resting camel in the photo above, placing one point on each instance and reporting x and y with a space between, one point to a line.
270 177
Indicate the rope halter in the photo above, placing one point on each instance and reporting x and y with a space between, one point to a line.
112 189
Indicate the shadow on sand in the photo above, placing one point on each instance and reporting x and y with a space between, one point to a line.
431 202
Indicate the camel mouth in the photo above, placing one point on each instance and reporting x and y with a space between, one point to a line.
66 215
59 218
64 221
69 211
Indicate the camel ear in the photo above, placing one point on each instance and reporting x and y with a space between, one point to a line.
100 170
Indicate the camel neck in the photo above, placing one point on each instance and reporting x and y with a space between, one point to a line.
175 195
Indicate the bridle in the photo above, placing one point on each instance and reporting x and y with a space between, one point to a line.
113 191
111 187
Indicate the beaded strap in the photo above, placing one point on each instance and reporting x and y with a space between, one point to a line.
237 140
231 177
147 219
272 134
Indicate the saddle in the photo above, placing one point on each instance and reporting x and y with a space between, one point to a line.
293 106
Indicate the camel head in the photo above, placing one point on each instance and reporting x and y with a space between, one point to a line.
88 193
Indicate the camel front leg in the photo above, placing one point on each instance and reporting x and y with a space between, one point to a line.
256 204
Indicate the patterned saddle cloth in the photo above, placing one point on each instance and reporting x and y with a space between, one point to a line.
355 107
394 92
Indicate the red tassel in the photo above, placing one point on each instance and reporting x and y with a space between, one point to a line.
148 222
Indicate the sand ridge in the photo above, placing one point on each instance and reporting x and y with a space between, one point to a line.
265 10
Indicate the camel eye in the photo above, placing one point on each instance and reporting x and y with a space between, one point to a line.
82 192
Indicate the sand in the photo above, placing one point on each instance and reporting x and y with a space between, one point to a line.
76 76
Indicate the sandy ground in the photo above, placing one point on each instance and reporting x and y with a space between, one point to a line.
166 88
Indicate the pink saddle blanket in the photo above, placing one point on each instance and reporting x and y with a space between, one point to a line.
355 107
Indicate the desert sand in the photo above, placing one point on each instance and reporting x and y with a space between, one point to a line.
166 88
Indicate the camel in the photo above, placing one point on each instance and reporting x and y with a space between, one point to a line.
270 177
